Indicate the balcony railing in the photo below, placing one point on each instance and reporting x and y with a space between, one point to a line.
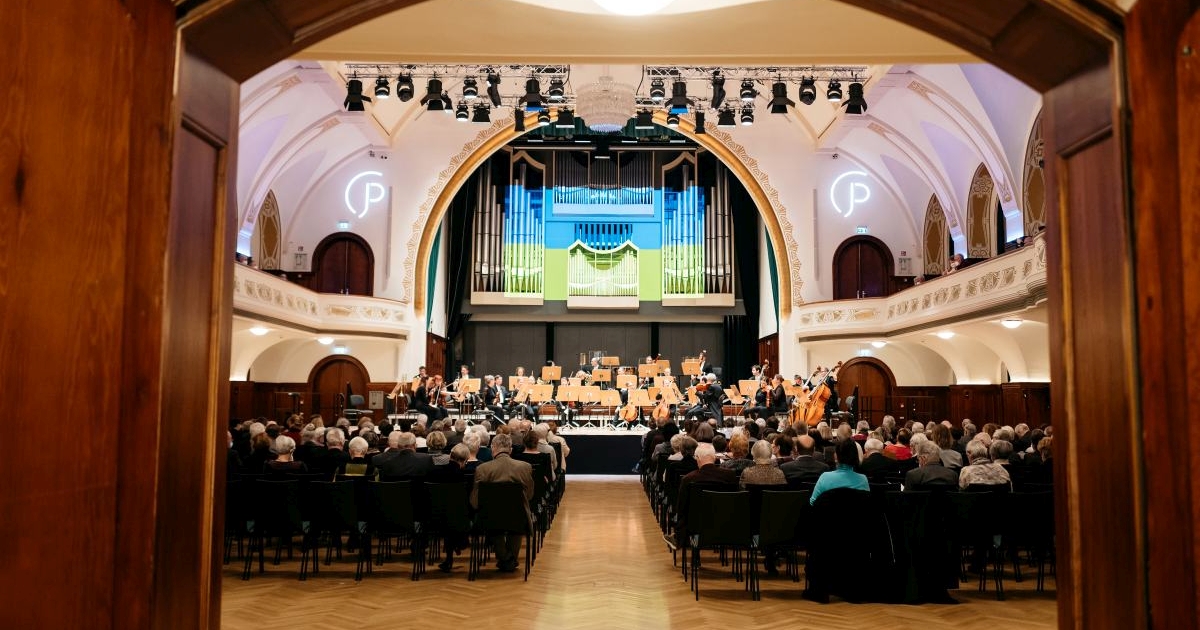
262 294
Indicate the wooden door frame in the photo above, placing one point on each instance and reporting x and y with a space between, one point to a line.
329 240
888 261
1083 71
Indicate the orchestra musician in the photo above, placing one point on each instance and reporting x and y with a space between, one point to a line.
710 395
624 391
566 409
426 399
494 397
777 401
515 408
705 367
761 407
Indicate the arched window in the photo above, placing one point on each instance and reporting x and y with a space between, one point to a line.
267 234
981 222
1034 209
343 263
937 238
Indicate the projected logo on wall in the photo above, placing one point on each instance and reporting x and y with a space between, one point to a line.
846 192
362 193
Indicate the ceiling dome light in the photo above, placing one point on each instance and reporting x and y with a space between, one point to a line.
461 113
404 88
556 92
779 98
878 344
259 331
726 118
747 93
381 88
856 104
945 334
657 91
1012 322
747 116
533 96
470 88
482 114
834 93
632 7
355 97
808 91
325 341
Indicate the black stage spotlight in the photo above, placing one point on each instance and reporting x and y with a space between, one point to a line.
533 96
404 88
518 119
725 117
493 89
834 93
680 102
779 98
602 151
355 97
645 120
470 88
544 117
481 114
748 92
747 116
856 104
565 120
808 91
672 120
657 91
718 90
556 91
700 123
461 113
381 88
435 100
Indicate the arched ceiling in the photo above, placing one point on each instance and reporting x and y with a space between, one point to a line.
820 32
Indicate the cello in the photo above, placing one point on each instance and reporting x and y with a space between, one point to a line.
819 396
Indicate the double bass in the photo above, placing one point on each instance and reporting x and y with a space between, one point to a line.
819 396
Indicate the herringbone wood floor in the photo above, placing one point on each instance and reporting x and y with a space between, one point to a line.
603 566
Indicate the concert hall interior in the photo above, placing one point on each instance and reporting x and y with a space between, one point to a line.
922 265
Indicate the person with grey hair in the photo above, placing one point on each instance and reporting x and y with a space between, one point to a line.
708 474
931 475
875 465
407 463
676 447
763 472
358 465
335 451
484 454
1001 450
981 471
471 442
436 443
542 431
284 461
503 468
393 449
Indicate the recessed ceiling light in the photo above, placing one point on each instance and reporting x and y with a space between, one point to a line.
324 341
259 331
945 334
878 344
1012 322
340 350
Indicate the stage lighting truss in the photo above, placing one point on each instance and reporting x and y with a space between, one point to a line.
505 83
770 84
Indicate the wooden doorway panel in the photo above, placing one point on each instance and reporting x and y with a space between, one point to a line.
875 384
343 263
862 268
328 383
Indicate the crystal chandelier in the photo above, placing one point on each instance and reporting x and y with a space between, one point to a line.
605 105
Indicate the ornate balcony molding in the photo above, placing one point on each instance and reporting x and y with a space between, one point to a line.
1014 280
256 293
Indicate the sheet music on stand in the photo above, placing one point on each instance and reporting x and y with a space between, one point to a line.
648 370
626 381
691 367
610 361
551 373
640 398
542 393
601 375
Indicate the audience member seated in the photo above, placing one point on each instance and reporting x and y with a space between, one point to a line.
739 453
982 471
335 453
763 472
542 431
504 468
782 447
804 468
408 463
471 442
284 462
900 451
436 442
707 473
260 453
931 475
358 465
940 435
391 451
455 467
844 476
875 465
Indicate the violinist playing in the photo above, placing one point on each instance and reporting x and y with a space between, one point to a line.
761 406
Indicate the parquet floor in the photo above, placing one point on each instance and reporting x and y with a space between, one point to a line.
603 566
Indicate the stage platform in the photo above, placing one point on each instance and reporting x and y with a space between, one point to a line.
602 451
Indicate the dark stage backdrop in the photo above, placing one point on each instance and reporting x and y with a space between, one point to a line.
679 340
626 340
499 347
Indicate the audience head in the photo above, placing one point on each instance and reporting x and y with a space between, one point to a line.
720 443
976 452
542 430
471 439
502 443
460 454
530 441
928 453
863 426
335 439
406 440
904 437
805 445
941 436
284 445
260 442
761 451
918 427
688 447
705 454
1022 430
436 441
844 432
1044 447
889 423
846 452
783 445
358 447
918 439
739 446
873 445
256 428
677 442
1000 450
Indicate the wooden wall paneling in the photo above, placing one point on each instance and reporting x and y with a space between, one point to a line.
198 320
980 403
676 341
1025 402
1094 370
241 400
499 347
1162 141
923 403
768 351
435 355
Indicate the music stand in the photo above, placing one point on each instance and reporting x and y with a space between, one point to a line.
647 370
691 367
575 382
601 375
626 381
640 398
610 362
747 386
551 373
469 386
542 393
735 397
669 396
663 364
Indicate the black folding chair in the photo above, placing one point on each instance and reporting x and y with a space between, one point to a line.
334 512
394 516
501 510
724 522
449 519
780 515
276 515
